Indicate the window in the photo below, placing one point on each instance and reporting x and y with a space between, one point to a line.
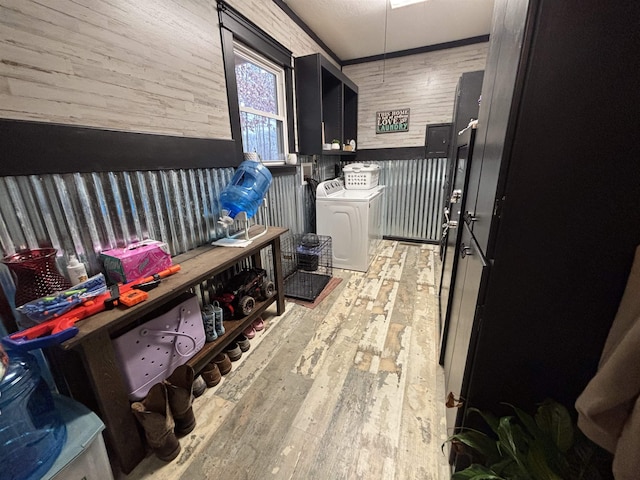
258 72
261 101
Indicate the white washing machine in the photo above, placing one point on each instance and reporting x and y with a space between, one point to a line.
353 220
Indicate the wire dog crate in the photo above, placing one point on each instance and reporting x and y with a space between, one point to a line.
307 265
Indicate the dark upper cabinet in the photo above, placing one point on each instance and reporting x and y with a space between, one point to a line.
325 99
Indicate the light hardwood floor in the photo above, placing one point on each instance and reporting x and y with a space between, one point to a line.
348 390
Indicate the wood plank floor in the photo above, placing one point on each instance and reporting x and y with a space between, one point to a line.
348 390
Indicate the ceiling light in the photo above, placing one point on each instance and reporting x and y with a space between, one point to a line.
404 3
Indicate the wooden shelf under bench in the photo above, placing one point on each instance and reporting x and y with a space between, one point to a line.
94 347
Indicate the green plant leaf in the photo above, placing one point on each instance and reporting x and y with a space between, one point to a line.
476 472
506 467
527 447
490 419
527 421
587 461
512 441
480 443
537 464
543 442
554 419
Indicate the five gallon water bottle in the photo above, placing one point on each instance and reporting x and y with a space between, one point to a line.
246 189
32 432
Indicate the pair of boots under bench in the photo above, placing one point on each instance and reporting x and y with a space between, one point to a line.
167 412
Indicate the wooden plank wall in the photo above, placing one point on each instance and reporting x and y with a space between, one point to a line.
153 67
157 68
117 65
425 83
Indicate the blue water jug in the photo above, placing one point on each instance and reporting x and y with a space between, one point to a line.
246 189
32 432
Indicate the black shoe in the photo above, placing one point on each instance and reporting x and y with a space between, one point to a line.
243 342
233 351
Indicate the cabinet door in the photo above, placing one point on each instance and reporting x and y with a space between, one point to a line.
452 231
496 118
464 109
463 330
437 140
309 104
466 103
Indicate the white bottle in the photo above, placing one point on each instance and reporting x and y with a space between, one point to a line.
76 270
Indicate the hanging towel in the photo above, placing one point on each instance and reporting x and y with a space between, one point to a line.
609 406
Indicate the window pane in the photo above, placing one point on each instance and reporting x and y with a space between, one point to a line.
262 135
257 87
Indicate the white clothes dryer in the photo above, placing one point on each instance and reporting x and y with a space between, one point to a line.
353 220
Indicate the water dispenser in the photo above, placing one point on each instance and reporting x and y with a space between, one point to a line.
32 432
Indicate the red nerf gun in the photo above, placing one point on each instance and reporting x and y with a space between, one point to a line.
57 330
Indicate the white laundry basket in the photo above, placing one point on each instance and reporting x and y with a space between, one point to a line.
361 176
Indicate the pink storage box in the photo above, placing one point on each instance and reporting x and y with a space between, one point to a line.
138 260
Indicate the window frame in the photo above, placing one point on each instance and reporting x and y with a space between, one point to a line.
235 28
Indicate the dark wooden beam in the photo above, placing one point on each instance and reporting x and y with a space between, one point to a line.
35 148
414 51
402 153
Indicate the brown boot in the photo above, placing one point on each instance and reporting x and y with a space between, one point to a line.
223 362
180 390
211 374
154 415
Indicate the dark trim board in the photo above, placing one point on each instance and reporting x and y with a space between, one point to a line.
282 170
401 153
410 240
34 148
415 51
226 39
250 34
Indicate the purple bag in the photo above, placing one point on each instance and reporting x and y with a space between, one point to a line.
150 352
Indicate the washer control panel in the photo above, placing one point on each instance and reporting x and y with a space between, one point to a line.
330 187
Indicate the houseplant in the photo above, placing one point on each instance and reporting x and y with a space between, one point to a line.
335 144
545 446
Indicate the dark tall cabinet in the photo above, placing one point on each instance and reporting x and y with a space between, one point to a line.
327 105
465 109
552 214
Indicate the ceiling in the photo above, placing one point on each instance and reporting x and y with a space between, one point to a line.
356 28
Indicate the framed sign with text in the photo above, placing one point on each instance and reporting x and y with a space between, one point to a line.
390 121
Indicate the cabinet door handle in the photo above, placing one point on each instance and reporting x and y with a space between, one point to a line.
448 222
469 217
465 250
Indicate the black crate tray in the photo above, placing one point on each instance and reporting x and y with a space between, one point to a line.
304 285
